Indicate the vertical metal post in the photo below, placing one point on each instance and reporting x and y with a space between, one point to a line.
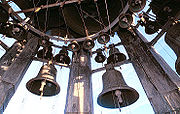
79 96
159 81
15 69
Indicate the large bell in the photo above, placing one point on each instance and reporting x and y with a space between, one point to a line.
151 27
45 83
90 13
116 93
125 20
4 12
100 58
103 38
115 56
172 38
74 46
45 53
63 57
88 44
136 5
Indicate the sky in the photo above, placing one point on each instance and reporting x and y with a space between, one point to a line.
24 102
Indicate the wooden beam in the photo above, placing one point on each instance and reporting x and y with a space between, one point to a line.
79 95
159 81
12 76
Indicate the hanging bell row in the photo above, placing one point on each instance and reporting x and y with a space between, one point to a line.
115 55
44 84
61 57
4 12
116 93
88 44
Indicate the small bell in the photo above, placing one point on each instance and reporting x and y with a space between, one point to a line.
63 57
136 5
45 53
74 46
88 44
151 27
4 12
115 56
100 58
116 93
103 38
125 20
44 84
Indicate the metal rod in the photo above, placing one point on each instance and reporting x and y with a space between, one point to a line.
48 6
117 64
46 61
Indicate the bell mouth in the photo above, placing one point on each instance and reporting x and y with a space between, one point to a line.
107 99
50 89
177 65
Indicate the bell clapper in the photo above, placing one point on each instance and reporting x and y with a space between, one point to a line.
119 98
43 83
118 95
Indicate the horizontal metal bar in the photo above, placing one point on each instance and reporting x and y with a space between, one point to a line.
48 6
55 63
117 64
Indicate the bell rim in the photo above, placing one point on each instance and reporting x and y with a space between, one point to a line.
136 94
104 58
41 79
90 47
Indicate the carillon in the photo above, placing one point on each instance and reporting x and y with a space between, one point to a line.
48 24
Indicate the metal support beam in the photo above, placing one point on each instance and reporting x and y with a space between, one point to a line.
11 77
159 81
79 96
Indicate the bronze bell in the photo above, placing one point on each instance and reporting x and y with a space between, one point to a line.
44 83
172 38
115 56
151 27
4 12
45 53
125 20
100 58
63 57
103 38
116 93
74 46
136 5
88 44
